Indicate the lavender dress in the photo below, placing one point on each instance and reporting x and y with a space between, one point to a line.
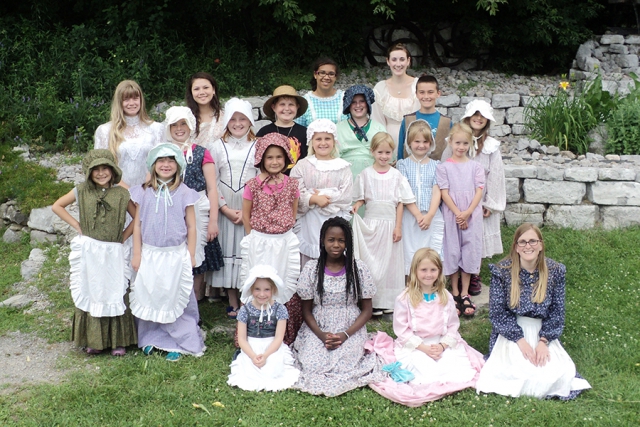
462 248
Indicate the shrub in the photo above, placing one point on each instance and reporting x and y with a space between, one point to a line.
623 128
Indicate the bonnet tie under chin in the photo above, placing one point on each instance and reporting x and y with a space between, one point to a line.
164 193
268 310
360 133
474 147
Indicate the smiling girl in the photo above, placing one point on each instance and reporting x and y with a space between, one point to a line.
325 101
202 98
325 187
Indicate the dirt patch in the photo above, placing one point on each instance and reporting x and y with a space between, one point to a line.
27 359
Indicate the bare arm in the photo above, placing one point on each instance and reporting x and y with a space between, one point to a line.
137 241
449 201
209 172
190 218
131 208
397 231
307 315
247 205
59 206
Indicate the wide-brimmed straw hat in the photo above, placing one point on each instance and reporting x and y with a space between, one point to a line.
284 90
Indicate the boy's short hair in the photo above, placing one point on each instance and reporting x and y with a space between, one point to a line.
426 78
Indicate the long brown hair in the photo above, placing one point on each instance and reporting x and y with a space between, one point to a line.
153 178
414 291
126 89
484 132
540 287
194 106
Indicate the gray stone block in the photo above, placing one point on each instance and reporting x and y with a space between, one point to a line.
499 115
38 236
467 99
443 110
14 215
610 86
520 171
612 39
614 193
500 131
525 100
581 174
452 100
547 173
592 65
627 61
30 267
16 301
518 213
552 150
505 100
619 217
41 219
512 187
554 192
515 115
456 114
11 236
518 130
618 49
584 52
632 39
579 217
615 174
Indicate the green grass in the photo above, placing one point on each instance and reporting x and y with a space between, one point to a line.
601 334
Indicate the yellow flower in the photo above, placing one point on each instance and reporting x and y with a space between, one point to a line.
564 85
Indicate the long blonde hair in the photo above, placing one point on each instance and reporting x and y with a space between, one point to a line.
153 179
540 287
126 89
414 291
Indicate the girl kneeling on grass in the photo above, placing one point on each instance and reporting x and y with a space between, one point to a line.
99 273
164 242
265 362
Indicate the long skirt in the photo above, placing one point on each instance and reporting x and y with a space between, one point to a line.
413 238
507 372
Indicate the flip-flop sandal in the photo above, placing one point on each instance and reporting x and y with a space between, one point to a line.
92 351
148 350
173 356
118 351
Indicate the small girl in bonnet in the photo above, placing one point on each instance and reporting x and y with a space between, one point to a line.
102 318
325 187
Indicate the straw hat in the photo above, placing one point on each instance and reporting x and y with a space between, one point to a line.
284 90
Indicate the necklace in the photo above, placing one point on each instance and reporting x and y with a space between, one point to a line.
288 133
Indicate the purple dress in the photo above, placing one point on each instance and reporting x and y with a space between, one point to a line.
462 248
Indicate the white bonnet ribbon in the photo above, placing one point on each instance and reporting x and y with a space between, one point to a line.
474 147
163 190
269 311
186 148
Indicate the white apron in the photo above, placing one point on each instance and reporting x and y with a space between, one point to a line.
202 224
164 282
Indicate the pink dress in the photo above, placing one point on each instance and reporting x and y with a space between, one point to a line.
429 323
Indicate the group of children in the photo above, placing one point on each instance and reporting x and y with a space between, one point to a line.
284 246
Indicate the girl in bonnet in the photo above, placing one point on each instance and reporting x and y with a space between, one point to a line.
485 150
325 185
265 362
102 318
164 242
200 175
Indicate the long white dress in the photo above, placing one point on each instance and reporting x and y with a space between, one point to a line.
390 111
331 178
139 139
209 133
234 167
373 235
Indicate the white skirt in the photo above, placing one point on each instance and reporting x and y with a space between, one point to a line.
98 276
373 244
202 207
281 251
508 373
277 374
413 238
164 282
453 366
307 230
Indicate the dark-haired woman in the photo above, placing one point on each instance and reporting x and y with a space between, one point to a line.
202 98
324 101
336 292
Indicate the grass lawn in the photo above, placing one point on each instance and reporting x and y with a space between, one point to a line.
601 334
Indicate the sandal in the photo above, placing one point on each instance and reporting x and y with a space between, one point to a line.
148 350
466 304
458 302
233 310
118 351
475 287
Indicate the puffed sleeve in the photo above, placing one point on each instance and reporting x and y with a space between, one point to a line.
158 133
367 287
406 193
136 193
376 108
479 178
243 314
281 312
553 324
503 319
358 186
495 198
452 335
307 281
441 176
217 154
101 137
402 323
343 201
298 172
305 119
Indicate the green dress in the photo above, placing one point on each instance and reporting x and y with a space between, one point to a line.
353 149
102 217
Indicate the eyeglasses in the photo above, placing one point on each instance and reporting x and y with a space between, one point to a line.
533 243
323 73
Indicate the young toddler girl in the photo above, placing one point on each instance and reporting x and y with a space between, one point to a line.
461 182
99 273
377 237
325 187
234 154
164 242
199 175
265 362
428 344
420 171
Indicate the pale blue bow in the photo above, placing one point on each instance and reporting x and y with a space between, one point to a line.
398 374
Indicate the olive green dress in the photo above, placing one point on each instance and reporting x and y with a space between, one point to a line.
102 217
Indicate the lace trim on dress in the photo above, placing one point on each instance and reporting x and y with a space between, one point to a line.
328 165
392 107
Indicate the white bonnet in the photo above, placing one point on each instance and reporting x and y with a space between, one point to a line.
322 125
266 272
479 105
174 115
237 105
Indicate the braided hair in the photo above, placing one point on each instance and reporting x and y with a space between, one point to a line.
353 278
